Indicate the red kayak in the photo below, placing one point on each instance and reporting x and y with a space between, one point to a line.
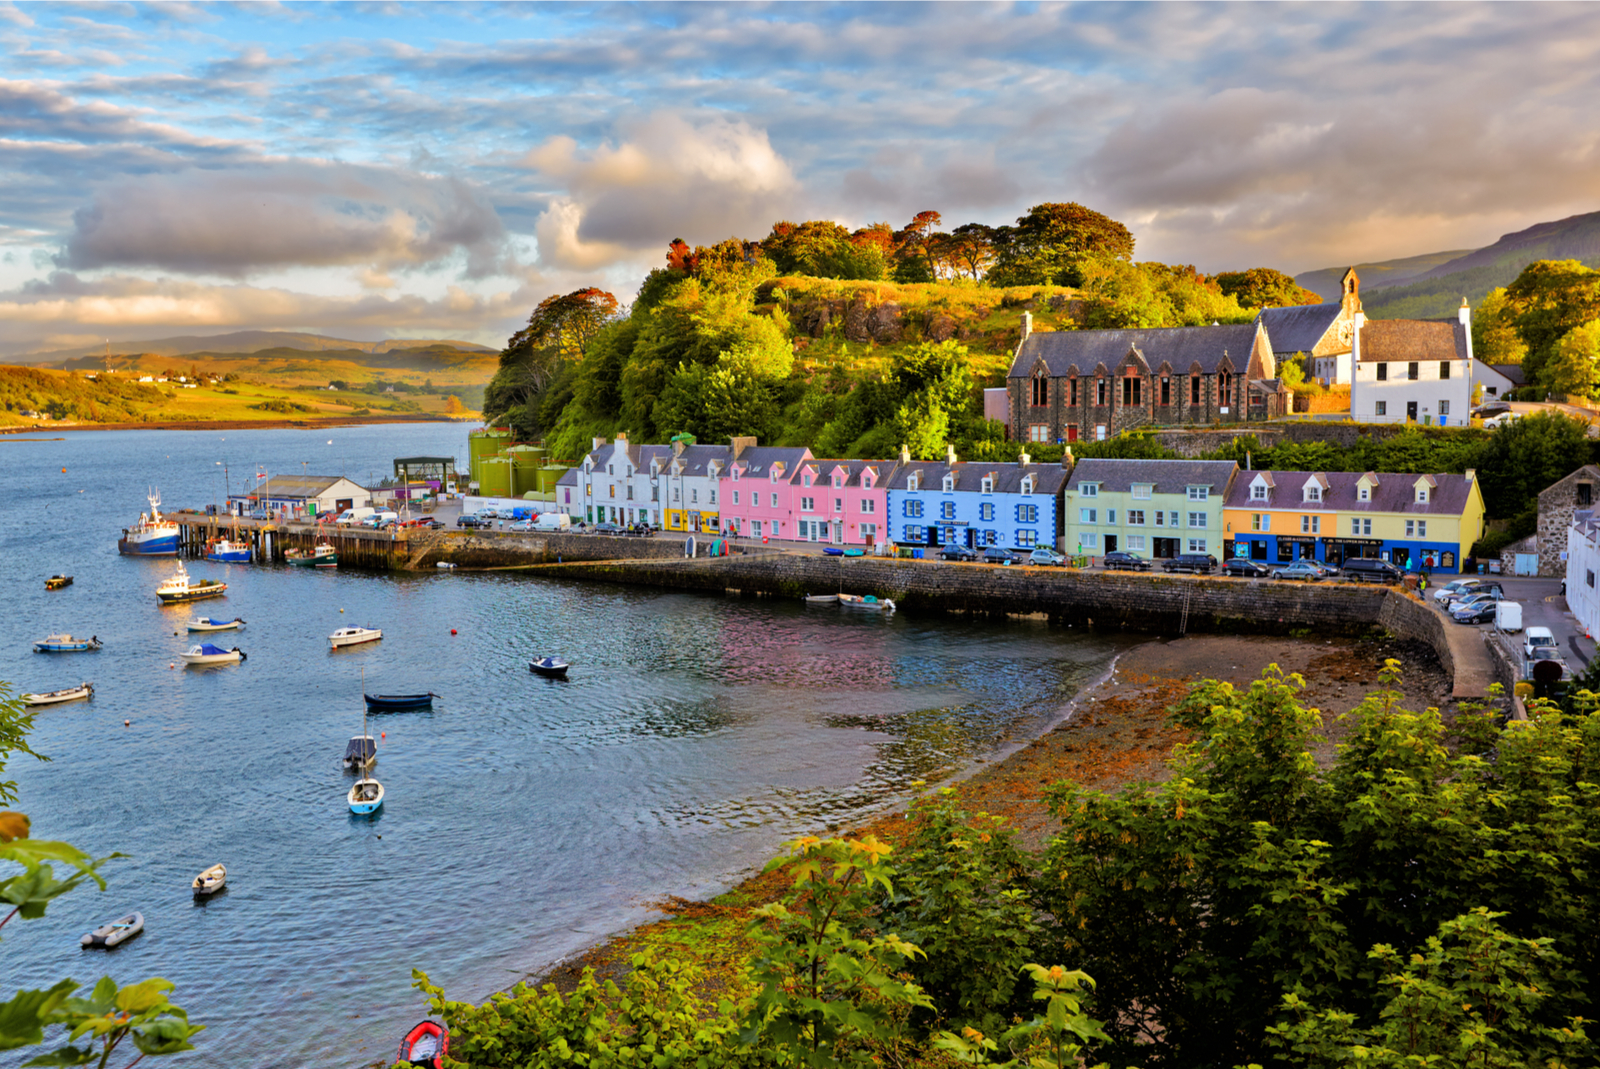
425 1045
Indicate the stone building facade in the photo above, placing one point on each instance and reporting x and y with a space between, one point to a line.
1068 385
1323 332
1558 504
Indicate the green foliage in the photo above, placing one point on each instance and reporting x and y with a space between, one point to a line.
1052 244
1574 365
1263 287
1548 299
1494 331
107 399
1120 295
16 720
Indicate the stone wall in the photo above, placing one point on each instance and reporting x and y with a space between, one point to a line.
1557 504
1194 442
1412 619
496 549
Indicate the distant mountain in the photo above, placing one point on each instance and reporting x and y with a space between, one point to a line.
1325 282
246 341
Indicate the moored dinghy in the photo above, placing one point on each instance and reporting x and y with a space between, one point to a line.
56 697
56 582
206 653
366 796
361 754
111 933
211 880
65 644
201 623
549 667
870 603
354 636
822 599
425 1045
396 703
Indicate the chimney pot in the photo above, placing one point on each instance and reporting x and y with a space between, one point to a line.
949 453
905 454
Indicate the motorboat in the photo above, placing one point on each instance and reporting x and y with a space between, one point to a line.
206 653
201 623
56 697
445 565
225 552
111 933
869 603
822 599
425 1045
549 667
179 587
366 796
361 754
152 536
56 582
323 556
66 644
399 703
354 636
211 880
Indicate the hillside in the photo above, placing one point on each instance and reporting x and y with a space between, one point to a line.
247 341
1324 282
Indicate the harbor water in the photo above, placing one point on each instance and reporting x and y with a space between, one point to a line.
525 818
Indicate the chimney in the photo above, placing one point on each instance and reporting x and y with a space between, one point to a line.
949 454
905 454
1247 460
1472 473
740 445
677 447
1027 325
1067 459
622 439
1465 314
599 443
1023 460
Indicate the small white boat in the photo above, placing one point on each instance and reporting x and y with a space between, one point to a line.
200 623
206 653
113 932
366 796
354 636
868 603
56 697
65 644
446 565
179 587
211 880
822 599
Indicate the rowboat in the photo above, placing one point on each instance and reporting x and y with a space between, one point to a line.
111 933
868 603
396 703
205 624
179 588
549 667
56 697
226 552
425 1045
56 582
822 599
323 556
206 653
354 636
366 796
211 880
65 644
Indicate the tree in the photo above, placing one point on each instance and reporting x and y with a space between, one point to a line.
1263 287
1574 366
1547 300
558 332
1124 295
1494 331
1053 242
968 249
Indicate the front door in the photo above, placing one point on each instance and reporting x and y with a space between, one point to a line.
1165 548
1111 543
1411 411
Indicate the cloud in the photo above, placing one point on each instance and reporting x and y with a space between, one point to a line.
668 177
240 221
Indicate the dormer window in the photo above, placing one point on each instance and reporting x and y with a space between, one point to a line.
1027 484
914 481
736 474
1199 493
1363 493
1089 489
1258 492
988 486
806 479
1422 495
949 483
1313 492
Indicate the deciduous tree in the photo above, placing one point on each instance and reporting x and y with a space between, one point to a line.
1053 242
1263 287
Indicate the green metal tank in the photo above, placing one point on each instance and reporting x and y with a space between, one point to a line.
494 477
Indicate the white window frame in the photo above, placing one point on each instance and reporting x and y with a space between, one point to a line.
1088 489
1141 491
1199 493
1197 545
1193 516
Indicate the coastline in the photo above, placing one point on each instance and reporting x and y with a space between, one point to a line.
246 424
1114 733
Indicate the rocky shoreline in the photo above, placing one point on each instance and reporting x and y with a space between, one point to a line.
244 424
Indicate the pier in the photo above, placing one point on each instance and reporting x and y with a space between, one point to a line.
269 540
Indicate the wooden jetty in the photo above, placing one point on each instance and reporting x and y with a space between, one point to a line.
269 540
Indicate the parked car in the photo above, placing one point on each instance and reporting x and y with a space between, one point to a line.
1538 638
1371 570
488 512
1491 408
1121 559
1246 568
998 555
1472 601
473 519
607 528
1300 569
1046 556
1541 660
1482 612
954 552
1198 563
1456 588
1471 592
522 525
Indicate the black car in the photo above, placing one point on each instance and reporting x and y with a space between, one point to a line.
958 553
1246 568
473 520
1481 613
998 555
607 528
1371 570
1199 563
1119 559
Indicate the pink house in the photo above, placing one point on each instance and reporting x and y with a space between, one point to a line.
842 501
757 495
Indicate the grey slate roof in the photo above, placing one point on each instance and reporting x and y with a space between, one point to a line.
757 460
1413 339
568 478
694 458
1300 328
1066 352
884 470
1395 492
1164 476
1512 372
1048 479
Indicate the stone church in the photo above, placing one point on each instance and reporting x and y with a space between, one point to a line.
1071 385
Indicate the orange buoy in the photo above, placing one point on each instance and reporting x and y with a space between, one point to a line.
383 734
452 630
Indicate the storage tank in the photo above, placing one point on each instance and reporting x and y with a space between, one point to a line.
525 461
494 477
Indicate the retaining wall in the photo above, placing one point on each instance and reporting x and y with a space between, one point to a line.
503 549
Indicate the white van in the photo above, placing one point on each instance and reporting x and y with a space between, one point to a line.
1538 638
552 521
350 517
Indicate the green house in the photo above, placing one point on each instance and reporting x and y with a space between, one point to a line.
1155 508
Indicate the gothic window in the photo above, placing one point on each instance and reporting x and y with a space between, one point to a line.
1072 391
1041 388
1194 389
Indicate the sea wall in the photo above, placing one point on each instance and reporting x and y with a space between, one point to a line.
503 549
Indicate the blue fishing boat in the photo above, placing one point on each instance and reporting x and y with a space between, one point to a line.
65 644
399 703
227 552
152 536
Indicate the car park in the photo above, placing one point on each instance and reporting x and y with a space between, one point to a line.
1471 602
1118 559
1371 570
1199 563
1246 568
998 555
1456 588
1477 589
1306 570
954 552
1046 556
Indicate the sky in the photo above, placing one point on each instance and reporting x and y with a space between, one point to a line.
434 171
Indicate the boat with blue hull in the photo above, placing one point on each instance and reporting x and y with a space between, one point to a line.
152 536
66 644
399 703
226 552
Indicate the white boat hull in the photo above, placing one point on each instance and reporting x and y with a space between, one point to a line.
354 637
226 625
365 797
118 931
56 697
211 880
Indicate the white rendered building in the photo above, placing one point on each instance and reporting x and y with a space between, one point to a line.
1417 370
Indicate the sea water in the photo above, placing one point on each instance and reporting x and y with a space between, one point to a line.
524 818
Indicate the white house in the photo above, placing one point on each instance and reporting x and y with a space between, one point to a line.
1497 380
1417 370
301 495
1583 564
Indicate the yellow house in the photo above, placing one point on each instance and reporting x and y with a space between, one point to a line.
1412 521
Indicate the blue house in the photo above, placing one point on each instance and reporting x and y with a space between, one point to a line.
975 504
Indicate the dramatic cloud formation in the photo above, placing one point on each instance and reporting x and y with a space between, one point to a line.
429 169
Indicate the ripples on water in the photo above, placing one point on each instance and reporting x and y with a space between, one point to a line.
525 818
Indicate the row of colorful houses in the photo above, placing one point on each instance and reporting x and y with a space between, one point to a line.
1156 508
